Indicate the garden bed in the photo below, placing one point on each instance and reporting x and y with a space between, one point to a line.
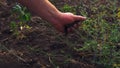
43 47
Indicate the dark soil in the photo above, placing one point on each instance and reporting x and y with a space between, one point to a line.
41 48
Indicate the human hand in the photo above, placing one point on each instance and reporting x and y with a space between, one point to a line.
51 14
65 19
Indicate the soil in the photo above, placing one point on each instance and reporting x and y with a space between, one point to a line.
41 47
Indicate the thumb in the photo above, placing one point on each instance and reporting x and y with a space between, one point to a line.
80 18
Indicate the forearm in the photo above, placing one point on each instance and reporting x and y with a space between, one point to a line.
42 8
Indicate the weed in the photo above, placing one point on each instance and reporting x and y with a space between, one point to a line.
102 36
68 8
101 32
22 16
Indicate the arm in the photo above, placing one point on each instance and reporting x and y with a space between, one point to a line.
48 12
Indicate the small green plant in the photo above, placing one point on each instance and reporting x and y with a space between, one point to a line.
68 8
101 36
22 16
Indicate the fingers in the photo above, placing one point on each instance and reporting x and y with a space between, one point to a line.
71 29
77 23
79 18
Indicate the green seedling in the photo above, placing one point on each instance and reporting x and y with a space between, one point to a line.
68 8
22 17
